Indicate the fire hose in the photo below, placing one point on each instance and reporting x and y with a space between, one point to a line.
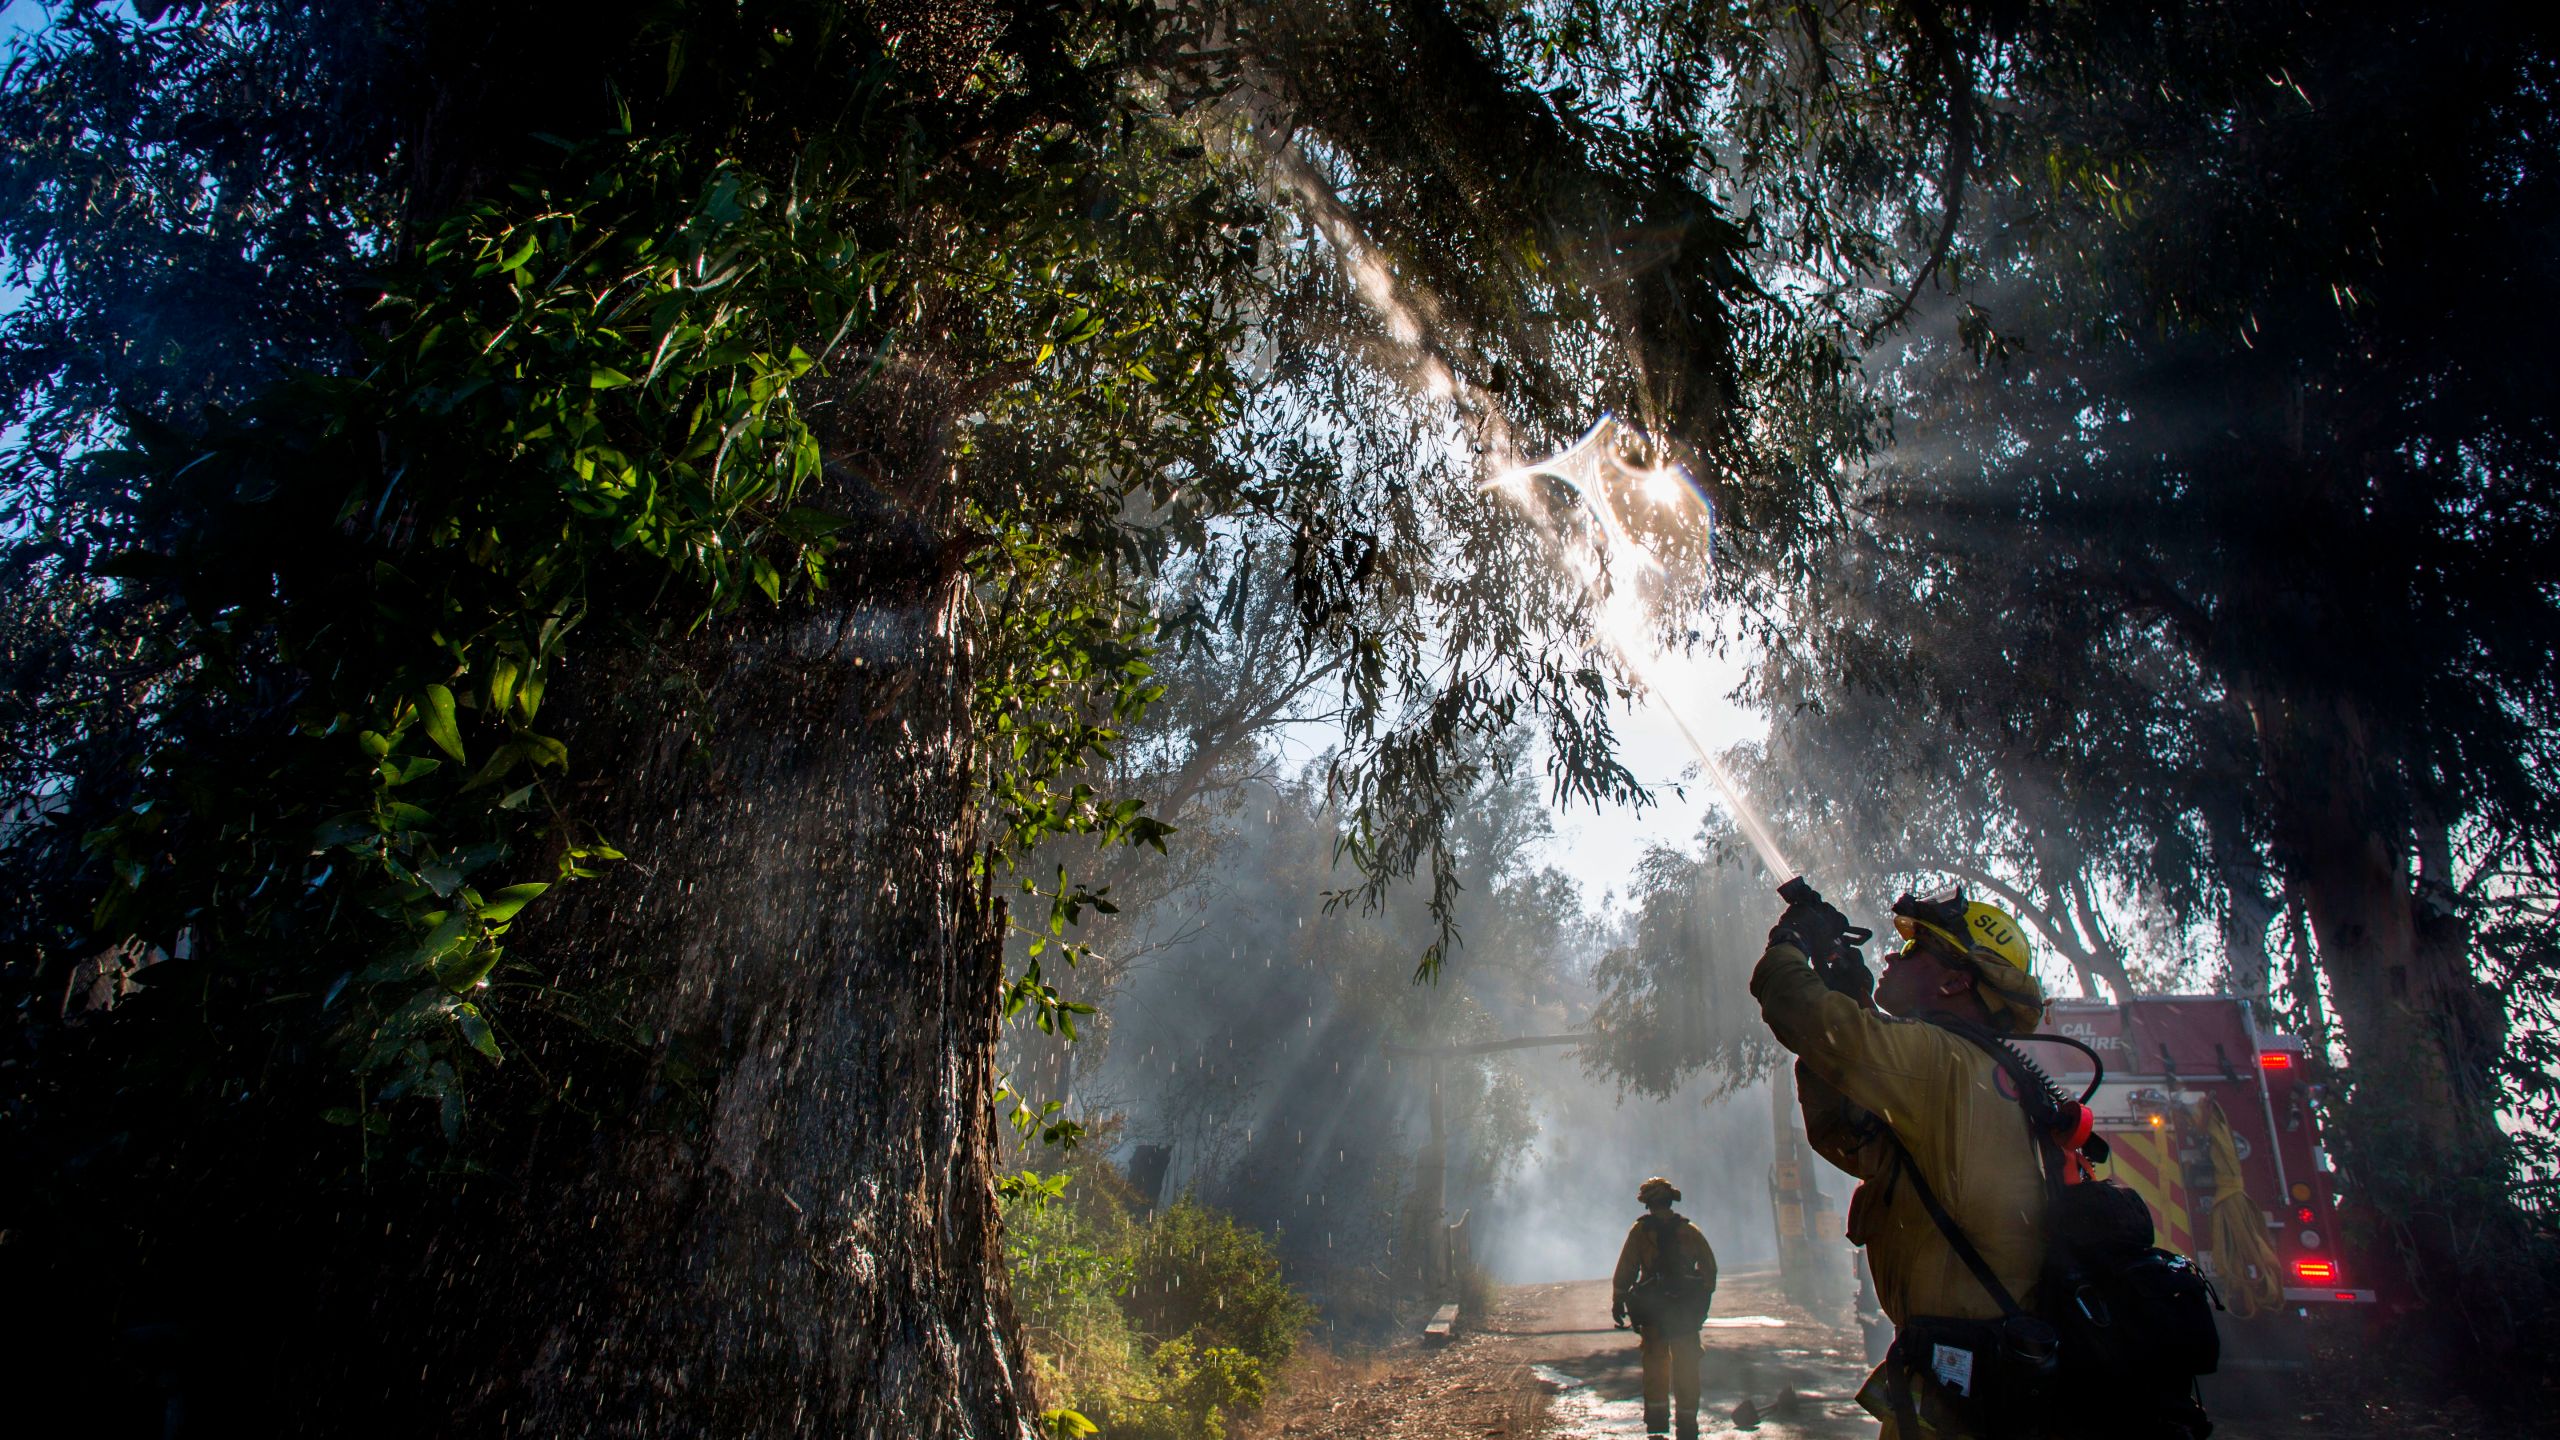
2251 1280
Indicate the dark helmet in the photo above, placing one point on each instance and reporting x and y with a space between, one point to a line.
1660 1189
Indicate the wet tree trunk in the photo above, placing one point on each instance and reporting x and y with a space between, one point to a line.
790 1229
766 1206
2248 910
2419 1129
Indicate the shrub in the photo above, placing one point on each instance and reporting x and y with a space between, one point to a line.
1197 1390
1159 1329
1476 1294
1070 1270
1196 1272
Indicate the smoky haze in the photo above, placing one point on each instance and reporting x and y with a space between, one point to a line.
1566 1211
1243 1059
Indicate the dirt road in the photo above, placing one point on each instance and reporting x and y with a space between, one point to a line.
1549 1364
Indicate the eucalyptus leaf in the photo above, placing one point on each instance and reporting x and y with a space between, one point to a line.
436 706
503 905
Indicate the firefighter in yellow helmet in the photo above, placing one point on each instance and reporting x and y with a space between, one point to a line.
1894 1097
1665 1282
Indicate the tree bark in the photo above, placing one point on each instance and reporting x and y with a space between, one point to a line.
2248 910
2423 1151
803 1240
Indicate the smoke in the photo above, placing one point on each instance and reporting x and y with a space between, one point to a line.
1566 1212
1248 1065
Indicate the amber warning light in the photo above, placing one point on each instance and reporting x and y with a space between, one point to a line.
2274 1060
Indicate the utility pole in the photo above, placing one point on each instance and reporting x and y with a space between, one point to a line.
1810 1267
1429 1222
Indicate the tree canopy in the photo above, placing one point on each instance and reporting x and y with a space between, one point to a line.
491 490
562 566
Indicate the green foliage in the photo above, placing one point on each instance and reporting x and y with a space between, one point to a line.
588 414
572 395
1195 1392
1067 1424
1038 1122
1672 991
1084 1270
1066 633
1070 1272
1196 1272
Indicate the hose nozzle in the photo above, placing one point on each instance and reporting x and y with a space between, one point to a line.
1834 948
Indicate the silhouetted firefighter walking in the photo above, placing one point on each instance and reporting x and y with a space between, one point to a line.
1665 1282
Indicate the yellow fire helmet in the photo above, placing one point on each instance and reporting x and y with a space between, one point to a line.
1988 936
1968 925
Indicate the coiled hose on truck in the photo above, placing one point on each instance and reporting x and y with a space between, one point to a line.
2245 1264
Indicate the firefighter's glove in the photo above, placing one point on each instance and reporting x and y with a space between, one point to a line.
1618 1314
1814 926
1845 970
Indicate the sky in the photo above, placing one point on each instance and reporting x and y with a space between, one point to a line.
1600 849
17 17
20 15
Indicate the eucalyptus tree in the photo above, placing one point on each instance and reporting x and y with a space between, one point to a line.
1668 1006
2214 558
626 517
1240 680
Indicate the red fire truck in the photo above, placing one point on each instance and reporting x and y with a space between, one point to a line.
2209 1116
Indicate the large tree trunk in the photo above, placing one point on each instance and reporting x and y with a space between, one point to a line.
2248 909
791 1229
2426 1164
2423 1152
775 1214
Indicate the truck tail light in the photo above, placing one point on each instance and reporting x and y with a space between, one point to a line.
2320 1271
2274 1060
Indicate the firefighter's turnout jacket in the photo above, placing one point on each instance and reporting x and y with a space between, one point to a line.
1641 1256
1955 1111
1668 1322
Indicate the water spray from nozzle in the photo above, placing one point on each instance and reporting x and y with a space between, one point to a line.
1611 455
1592 468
